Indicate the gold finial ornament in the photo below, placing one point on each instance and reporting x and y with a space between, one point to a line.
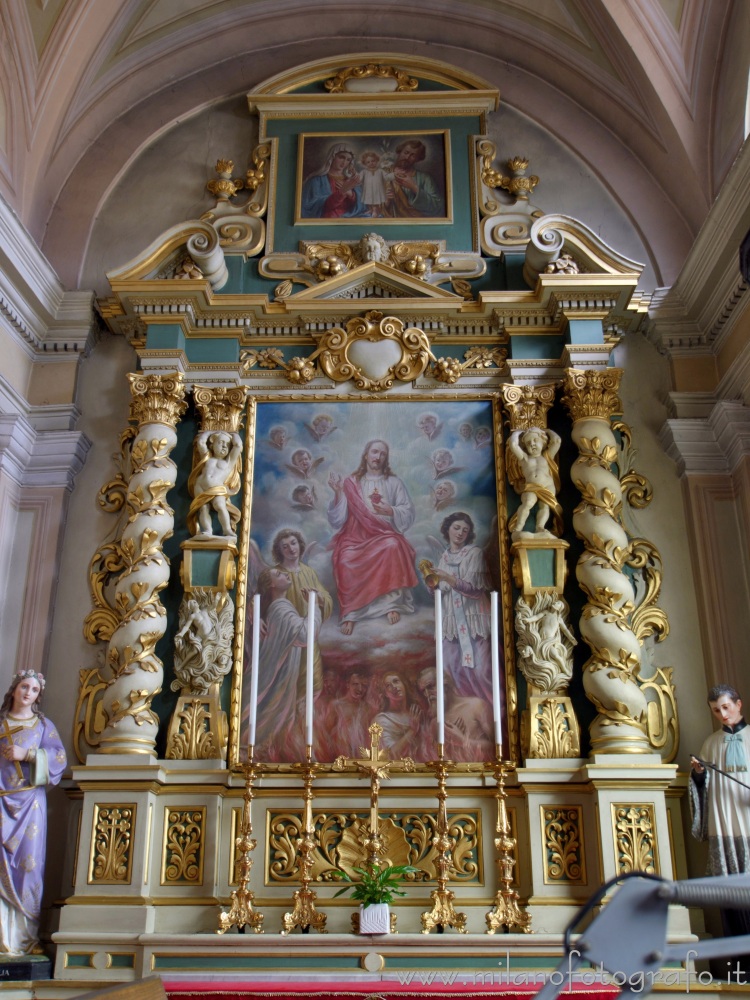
518 183
226 186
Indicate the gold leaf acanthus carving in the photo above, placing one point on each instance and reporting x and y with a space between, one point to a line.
592 393
157 399
112 844
635 836
183 848
407 839
334 355
403 82
563 838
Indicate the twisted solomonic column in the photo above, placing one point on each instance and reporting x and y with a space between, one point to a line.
610 676
135 672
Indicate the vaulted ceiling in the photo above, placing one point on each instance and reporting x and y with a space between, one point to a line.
650 93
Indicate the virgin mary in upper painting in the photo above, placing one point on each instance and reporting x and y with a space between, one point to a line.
388 177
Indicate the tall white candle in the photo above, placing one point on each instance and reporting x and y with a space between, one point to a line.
310 658
496 705
440 686
254 670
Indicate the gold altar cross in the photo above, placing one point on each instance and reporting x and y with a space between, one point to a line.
377 765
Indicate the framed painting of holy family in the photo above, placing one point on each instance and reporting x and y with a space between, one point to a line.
389 177
372 506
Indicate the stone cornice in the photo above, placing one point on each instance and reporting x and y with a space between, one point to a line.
711 446
34 306
38 458
703 305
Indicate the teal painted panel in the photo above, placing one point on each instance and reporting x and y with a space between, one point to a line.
458 235
542 567
164 337
213 350
235 284
122 961
229 963
585 331
535 347
205 567
79 961
514 270
495 279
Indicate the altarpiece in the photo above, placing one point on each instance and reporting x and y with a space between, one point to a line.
371 369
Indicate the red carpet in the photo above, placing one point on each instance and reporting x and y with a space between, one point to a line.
379 989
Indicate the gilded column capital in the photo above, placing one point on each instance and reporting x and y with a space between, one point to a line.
590 393
220 408
157 399
526 406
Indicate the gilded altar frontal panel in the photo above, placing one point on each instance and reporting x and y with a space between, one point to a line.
183 849
564 852
316 474
407 837
634 834
113 830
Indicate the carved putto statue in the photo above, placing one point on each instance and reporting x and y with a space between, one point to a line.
215 477
203 642
545 643
534 475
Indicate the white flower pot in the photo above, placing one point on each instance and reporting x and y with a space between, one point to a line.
375 919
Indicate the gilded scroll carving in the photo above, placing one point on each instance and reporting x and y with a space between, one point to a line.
337 350
184 846
401 80
563 841
112 855
406 837
635 838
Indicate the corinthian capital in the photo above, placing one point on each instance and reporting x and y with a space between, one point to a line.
220 407
157 399
527 405
591 393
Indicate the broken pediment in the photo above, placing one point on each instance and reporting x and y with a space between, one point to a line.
374 280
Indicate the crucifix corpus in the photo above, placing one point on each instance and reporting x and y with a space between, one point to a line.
376 764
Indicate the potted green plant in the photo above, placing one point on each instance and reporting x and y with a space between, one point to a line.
374 888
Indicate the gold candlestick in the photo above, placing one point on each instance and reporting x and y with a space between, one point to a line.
507 911
442 914
241 913
304 914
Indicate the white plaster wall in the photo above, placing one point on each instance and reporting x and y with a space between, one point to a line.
568 185
643 392
166 184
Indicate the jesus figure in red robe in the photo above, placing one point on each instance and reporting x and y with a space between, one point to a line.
373 564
